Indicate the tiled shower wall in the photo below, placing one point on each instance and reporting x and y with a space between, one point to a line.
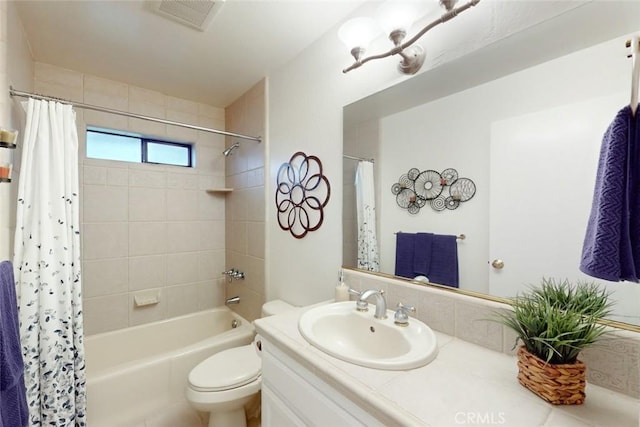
147 230
245 208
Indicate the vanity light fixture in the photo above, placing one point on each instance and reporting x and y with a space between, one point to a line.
395 17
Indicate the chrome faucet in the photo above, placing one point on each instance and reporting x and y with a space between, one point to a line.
233 300
381 303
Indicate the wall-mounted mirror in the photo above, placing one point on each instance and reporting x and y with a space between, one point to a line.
524 118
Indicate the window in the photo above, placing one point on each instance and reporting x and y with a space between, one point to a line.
114 145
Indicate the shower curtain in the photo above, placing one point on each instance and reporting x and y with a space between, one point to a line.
47 267
368 258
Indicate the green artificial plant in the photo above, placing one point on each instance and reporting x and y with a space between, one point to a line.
556 320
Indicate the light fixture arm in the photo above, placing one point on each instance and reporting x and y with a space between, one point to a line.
399 49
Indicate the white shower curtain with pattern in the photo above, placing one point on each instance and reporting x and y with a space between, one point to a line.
47 267
368 258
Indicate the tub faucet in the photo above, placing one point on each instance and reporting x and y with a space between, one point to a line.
381 303
232 300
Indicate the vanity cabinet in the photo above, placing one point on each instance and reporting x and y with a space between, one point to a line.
293 396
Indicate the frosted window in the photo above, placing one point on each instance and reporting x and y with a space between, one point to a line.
111 145
168 154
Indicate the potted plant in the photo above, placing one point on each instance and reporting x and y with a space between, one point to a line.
555 322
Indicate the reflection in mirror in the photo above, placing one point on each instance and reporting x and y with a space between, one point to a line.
530 139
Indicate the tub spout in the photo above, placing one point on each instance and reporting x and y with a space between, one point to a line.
233 300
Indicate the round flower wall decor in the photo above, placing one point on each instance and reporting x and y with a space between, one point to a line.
301 195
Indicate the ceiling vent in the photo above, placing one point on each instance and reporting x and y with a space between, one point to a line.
197 14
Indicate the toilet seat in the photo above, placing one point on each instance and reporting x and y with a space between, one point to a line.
226 370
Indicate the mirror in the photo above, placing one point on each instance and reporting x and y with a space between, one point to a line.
526 125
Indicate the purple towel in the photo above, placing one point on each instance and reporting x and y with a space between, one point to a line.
13 398
405 247
422 254
611 238
444 260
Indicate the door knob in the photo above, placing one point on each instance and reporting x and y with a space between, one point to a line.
498 264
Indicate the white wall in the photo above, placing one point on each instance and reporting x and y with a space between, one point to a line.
16 69
305 114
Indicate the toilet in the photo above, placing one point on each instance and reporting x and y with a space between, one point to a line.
225 382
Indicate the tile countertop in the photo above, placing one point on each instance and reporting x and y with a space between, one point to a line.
465 385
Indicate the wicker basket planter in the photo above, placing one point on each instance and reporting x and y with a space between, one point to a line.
557 384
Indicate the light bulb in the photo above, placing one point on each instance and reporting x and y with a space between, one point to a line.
396 15
358 32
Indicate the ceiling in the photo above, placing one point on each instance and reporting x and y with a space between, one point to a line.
127 41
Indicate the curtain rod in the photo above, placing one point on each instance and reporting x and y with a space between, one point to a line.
13 92
346 156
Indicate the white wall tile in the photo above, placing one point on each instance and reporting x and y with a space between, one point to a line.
57 75
105 240
183 268
210 160
105 313
236 236
211 294
477 324
145 101
437 312
254 274
237 205
94 175
147 204
182 105
182 299
149 313
185 181
255 238
147 238
106 93
147 272
146 178
182 205
212 235
256 205
255 177
118 176
214 113
59 91
104 277
211 206
183 236
105 203
180 133
211 264
106 120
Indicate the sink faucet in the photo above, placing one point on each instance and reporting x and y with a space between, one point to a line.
381 303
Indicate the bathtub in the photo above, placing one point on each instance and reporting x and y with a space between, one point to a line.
134 372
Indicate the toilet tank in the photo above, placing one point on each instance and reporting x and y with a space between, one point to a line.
274 307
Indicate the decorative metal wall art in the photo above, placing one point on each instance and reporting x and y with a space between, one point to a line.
444 190
301 195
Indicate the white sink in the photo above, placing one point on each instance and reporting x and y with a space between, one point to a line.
339 330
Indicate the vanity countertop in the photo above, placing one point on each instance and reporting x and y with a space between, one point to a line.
465 385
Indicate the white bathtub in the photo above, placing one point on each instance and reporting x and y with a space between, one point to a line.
135 371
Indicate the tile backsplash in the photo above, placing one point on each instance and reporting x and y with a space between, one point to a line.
613 363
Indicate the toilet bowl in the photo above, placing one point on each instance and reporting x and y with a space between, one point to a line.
225 382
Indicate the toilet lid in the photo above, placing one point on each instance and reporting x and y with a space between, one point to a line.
227 369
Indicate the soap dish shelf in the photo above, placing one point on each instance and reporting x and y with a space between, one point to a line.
219 190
